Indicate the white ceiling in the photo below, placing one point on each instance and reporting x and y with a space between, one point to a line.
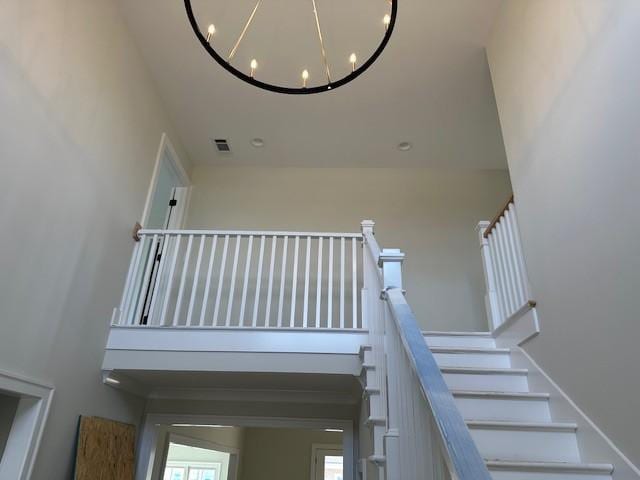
431 86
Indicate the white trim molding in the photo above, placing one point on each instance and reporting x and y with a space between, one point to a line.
176 163
28 425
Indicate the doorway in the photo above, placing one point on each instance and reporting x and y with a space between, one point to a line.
165 209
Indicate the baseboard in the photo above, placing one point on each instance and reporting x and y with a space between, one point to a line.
519 328
594 444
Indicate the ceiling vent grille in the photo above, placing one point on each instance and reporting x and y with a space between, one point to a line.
222 145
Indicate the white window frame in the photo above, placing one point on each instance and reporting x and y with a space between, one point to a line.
324 449
188 466
28 424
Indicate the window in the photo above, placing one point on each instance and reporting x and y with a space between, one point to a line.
174 473
327 462
189 471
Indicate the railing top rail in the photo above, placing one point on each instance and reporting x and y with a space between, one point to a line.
463 458
496 219
250 233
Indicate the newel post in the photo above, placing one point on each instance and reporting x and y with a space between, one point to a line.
491 296
390 260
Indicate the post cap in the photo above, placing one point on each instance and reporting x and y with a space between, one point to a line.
390 255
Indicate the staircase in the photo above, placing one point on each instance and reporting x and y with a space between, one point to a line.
512 426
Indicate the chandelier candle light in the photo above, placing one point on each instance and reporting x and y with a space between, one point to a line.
208 35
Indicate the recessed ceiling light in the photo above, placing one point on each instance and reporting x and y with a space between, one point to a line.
404 146
257 142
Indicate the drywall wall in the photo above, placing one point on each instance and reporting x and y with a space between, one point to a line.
281 453
566 79
79 131
430 214
8 407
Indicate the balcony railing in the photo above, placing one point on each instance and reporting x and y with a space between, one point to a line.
243 279
508 292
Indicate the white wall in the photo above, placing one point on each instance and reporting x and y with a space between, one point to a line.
567 77
79 130
430 214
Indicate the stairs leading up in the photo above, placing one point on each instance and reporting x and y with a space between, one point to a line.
512 426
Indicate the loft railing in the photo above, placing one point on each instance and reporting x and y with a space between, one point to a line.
508 292
425 435
247 279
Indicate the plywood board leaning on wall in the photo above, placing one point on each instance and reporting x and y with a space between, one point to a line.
105 450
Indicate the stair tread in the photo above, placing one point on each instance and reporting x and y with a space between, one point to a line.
530 426
490 394
487 350
456 334
485 370
549 466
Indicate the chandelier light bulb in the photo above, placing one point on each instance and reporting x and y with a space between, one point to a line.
254 66
386 20
305 77
210 31
352 60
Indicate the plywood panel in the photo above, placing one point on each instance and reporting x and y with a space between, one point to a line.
106 450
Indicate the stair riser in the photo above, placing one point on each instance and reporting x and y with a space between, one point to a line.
487 383
517 475
480 360
453 341
514 410
525 445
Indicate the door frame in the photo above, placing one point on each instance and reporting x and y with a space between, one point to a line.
28 424
234 453
148 458
168 152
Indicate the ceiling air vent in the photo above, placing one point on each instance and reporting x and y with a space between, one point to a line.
222 145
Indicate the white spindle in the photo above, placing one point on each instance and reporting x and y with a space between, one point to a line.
294 282
342 242
354 284
247 270
517 269
283 278
493 253
151 259
330 286
129 290
216 308
267 313
305 307
232 286
319 284
172 271
256 302
157 279
501 273
513 263
196 278
504 255
207 286
183 279
520 255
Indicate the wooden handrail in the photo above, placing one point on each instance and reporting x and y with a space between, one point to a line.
496 219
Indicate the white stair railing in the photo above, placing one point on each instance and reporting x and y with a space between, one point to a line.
424 435
508 292
247 279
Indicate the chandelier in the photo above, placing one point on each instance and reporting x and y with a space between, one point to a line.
328 74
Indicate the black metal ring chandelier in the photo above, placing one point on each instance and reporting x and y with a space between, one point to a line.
205 37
